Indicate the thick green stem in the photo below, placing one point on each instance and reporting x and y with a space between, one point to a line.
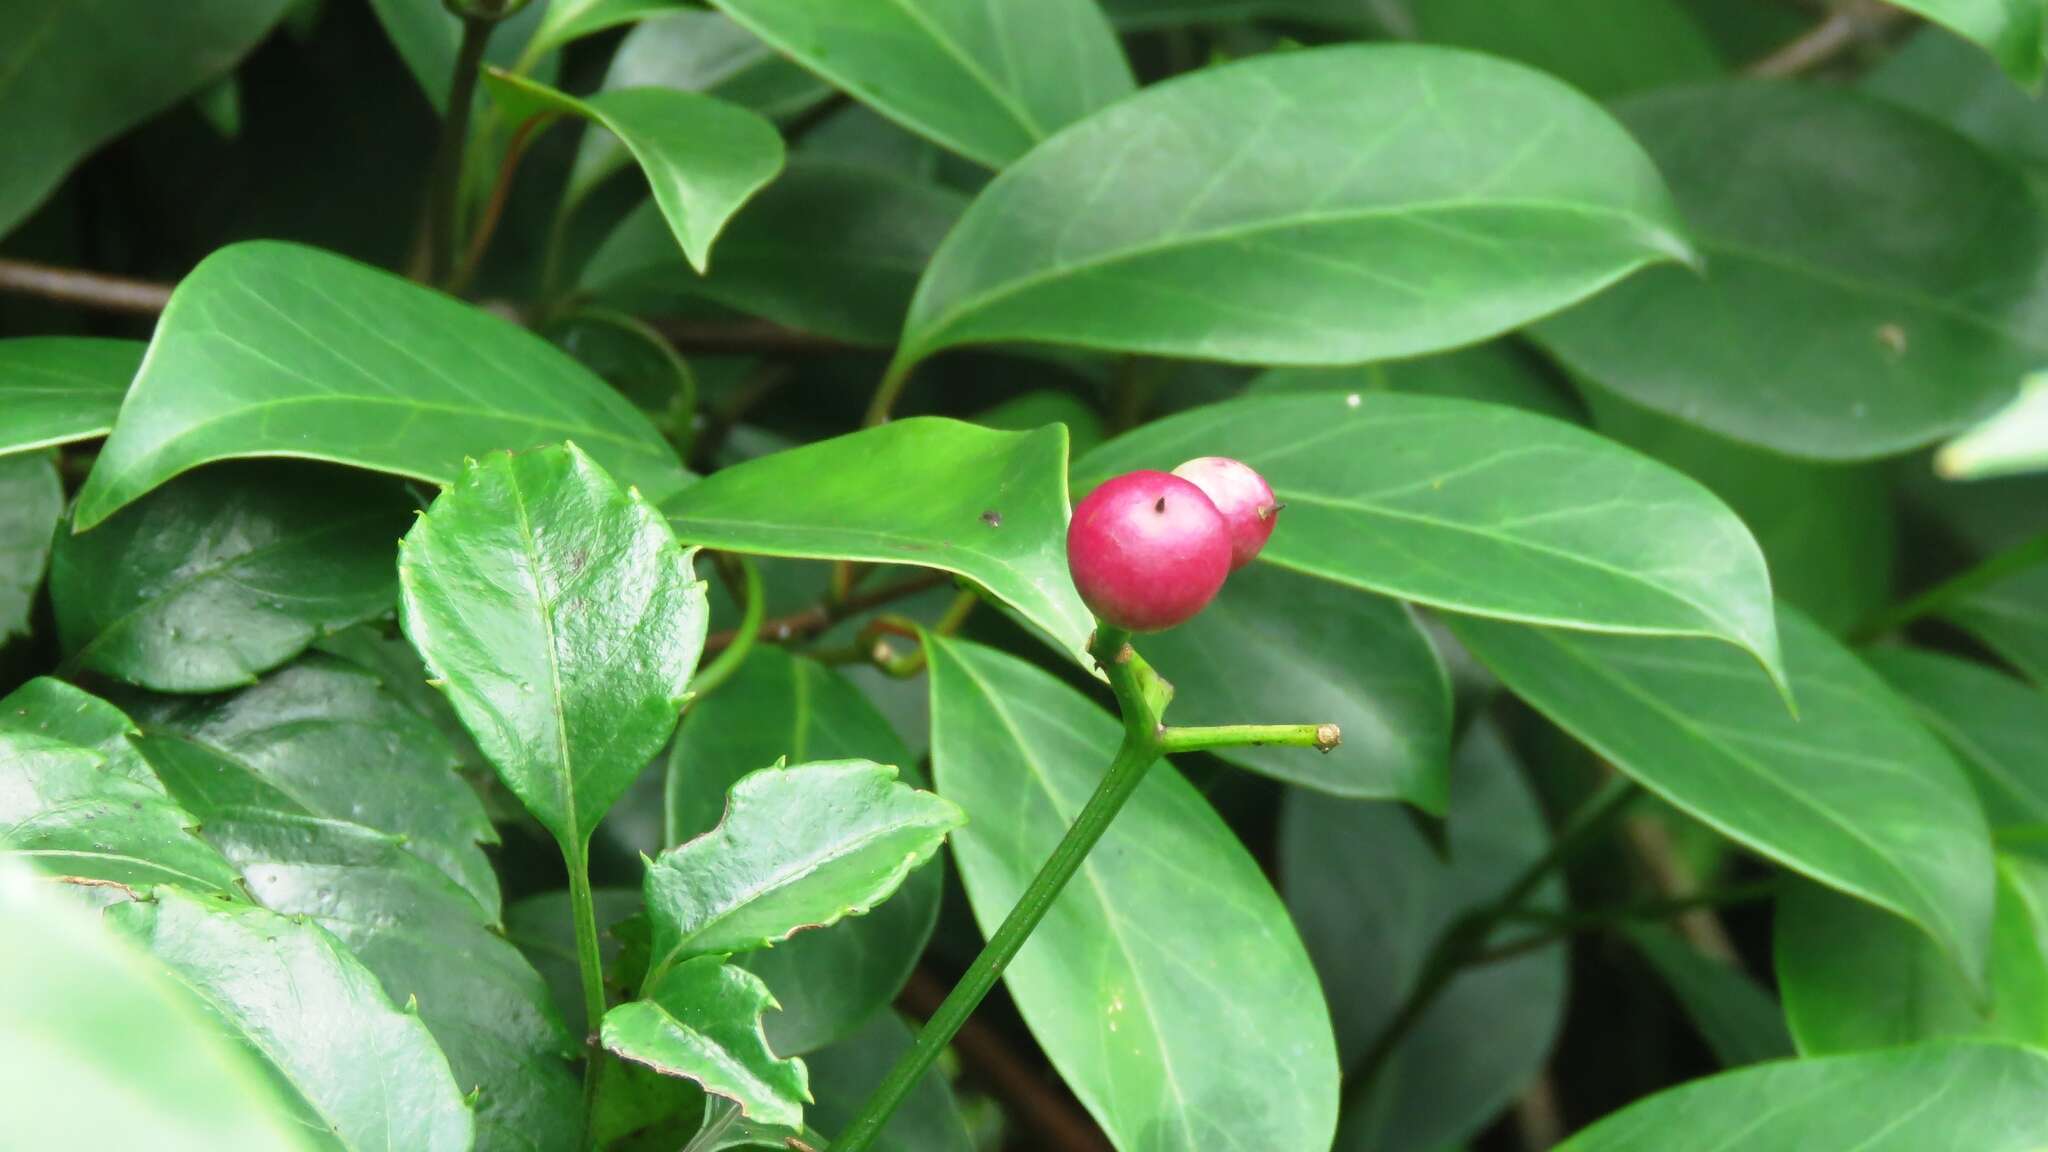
589 966
1322 737
893 382
753 608
445 191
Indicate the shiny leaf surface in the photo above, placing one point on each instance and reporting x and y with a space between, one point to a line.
701 1021
47 706
59 389
31 503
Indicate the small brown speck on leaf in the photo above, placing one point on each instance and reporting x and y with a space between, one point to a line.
992 518
1893 338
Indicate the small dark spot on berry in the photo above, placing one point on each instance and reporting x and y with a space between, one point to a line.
1160 506
992 518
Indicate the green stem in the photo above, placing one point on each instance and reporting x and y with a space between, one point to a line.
589 966
1322 737
893 382
1136 754
1558 926
755 608
444 193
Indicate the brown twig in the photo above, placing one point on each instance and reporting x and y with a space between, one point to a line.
1856 22
1050 1115
501 191
818 617
1673 878
85 289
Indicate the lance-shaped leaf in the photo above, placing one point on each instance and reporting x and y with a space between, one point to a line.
272 349
1983 1097
364 1071
2010 441
427 940
1853 792
986 80
701 1020
327 734
991 506
1740 1021
59 389
2010 616
1480 509
568 20
31 503
800 847
226 574
1992 722
47 706
1166 984
563 621
64 811
703 157
1327 206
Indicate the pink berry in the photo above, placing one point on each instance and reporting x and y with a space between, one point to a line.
1242 495
1147 551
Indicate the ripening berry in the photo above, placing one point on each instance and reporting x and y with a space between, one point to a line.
1242 495
1147 551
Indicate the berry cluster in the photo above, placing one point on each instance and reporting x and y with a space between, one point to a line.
1148 550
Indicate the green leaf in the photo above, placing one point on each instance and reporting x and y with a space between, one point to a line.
829 248
1219 244
328 735
703 157
63 810
1993 723
1836 319
1482 509
88 1019
564 621
2010 617
567 20
428 36
385 653
701 1021
2016 35
74 76
226 574
1278 647
272 349
1496 373
426 939
544 929
1944 76
31 503
60 389
843 1075
46 706
365 1071
990 506
1166 985
1372 895
1852 792
2012 440
800 847
987 81
1604 48
1854 978
1983 1097
1740 1021
831 979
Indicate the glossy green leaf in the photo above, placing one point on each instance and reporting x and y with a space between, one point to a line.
1496 373
842 1075
74 76
829 248
226 574
1277 647
31 503
1482 509
272 349
1852 792
1983 1097
328 735
828 980
63 810
1836 317
59 389
2016 35
381 650
1372 895
46 706
800 847
991 506
364 1070
2010 617
567 20
1604 48
564 622
1166 984
88 1019
1740 1021
703 157
1221 239
1993 723
987 81
427 940
1854 978
701 1021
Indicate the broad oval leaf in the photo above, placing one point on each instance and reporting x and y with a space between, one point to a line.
1983 1097
60 389
2009 615
1232 234
1946 77
1852 792
988 505
226 574
703 157
1167 984
271 349
47 706
1276 647
1497 372
563 621
701 1020
985 80
828 981
1480 509
2016 35
31 504
1836 317
1993 723
1373 895
365 1071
